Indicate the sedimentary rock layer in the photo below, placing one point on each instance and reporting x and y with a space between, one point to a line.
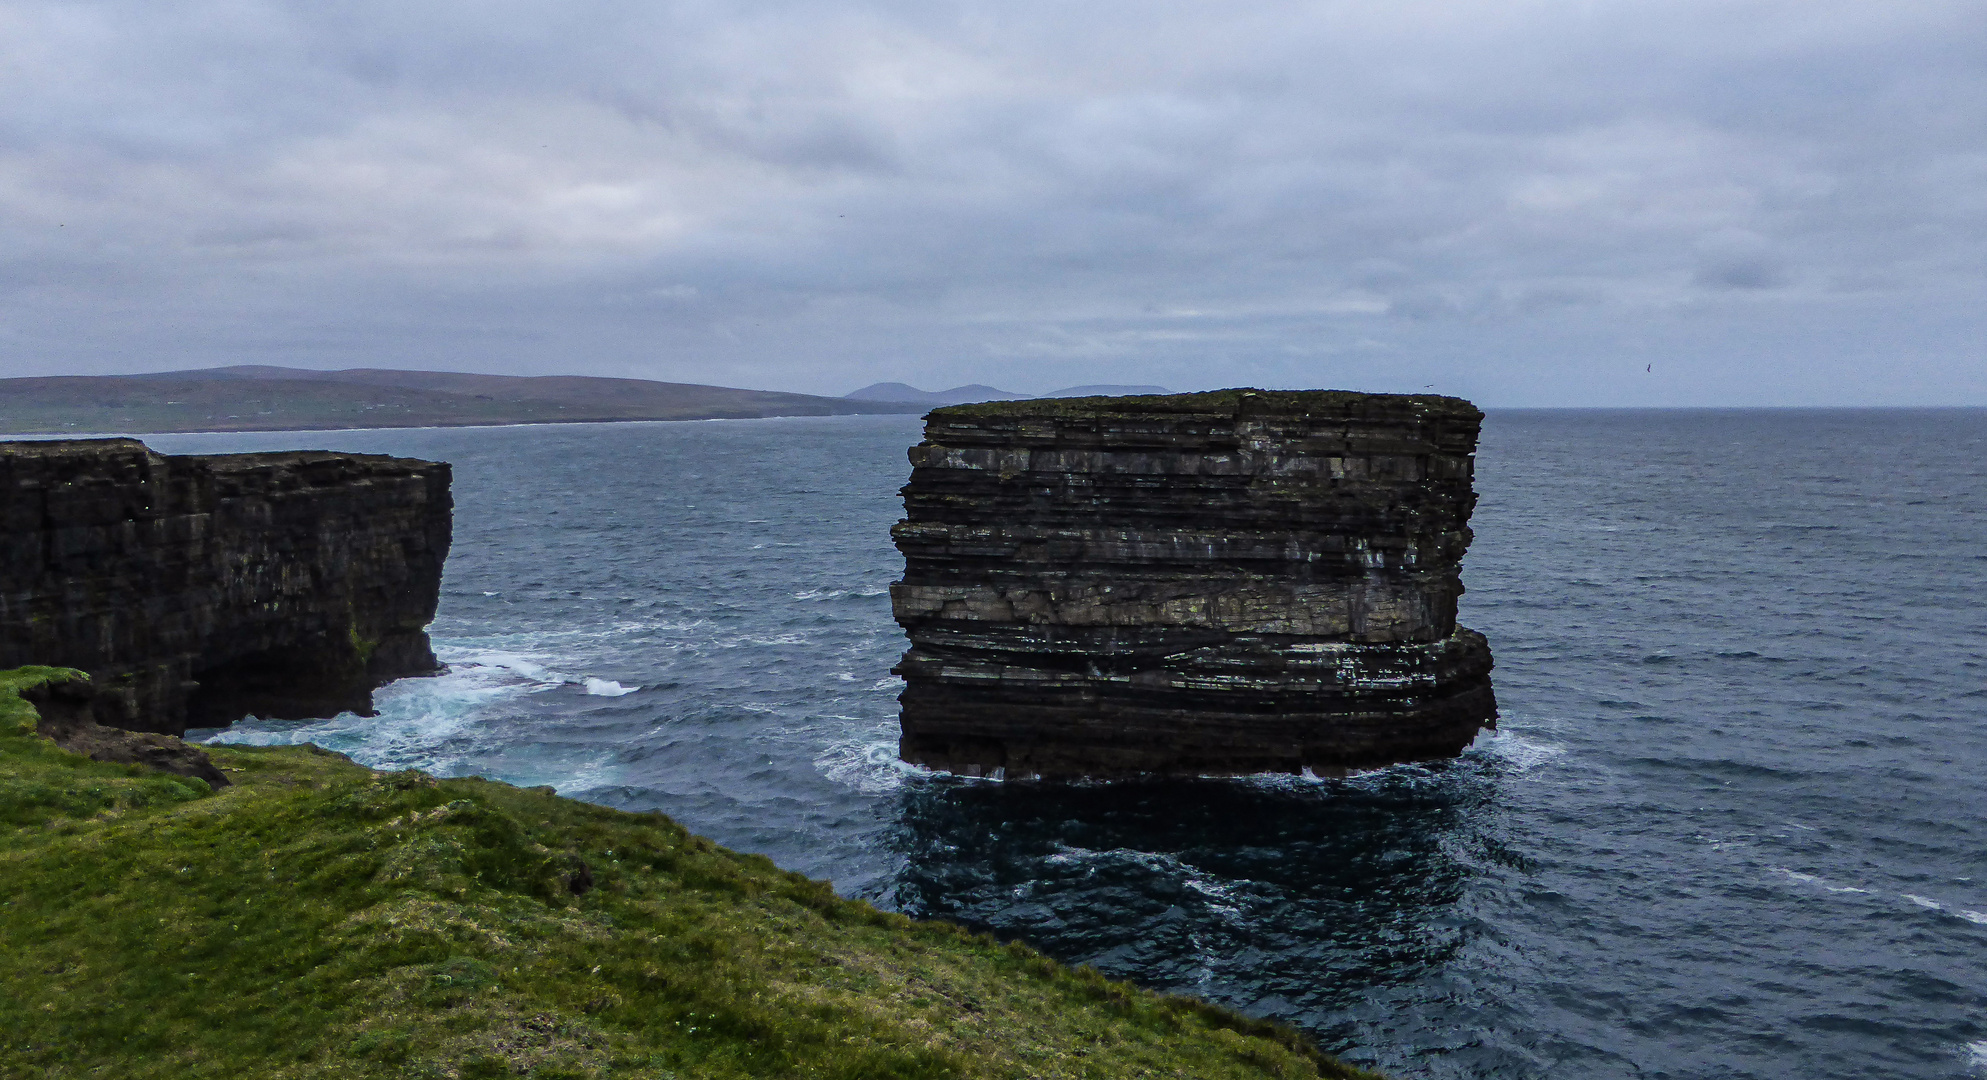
197 590
1230 582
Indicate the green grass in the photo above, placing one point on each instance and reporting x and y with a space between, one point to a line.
41 784
320 919
1211 401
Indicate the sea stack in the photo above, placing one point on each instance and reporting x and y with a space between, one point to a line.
1223 583
198 590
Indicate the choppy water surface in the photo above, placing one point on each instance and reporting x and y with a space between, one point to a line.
1731 825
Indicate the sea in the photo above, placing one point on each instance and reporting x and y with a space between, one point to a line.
1730 823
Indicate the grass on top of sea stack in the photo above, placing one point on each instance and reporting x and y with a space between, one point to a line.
320 919
1217 402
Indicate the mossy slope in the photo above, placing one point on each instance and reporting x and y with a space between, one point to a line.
321 919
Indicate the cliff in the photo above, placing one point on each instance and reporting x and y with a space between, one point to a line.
1231 582
197 590
319 919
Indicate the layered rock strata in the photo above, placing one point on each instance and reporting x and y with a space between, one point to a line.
198 590
1232 582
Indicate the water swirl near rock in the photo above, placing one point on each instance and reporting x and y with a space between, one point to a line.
1238 581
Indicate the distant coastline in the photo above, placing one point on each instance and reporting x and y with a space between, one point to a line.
287 399
42 436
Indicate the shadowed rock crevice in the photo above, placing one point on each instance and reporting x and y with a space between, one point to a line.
1231 582
198 590
67 711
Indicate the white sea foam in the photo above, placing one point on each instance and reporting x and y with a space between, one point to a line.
1518 752
495 664
1811 879
868 763
417 717
428 723
747 641
1222 896
600 772
1925 902
864 592
1929 904
1276 781
1976 1055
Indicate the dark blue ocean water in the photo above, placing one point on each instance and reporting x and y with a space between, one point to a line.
1731 825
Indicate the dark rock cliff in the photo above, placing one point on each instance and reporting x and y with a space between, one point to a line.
1231 582
198 590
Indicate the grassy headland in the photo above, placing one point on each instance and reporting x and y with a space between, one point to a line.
320 919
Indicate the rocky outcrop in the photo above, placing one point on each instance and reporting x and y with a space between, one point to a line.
1231 582
198 590
67 710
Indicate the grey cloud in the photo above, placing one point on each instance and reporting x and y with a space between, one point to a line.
1738 260
1523 202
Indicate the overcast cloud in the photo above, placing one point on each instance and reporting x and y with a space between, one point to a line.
1526 203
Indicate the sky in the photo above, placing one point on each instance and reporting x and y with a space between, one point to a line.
1526 203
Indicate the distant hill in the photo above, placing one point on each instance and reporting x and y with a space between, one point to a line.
254 398
907 394
961 395
1106 390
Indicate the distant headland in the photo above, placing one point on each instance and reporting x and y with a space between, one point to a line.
291 399
972 392
261 398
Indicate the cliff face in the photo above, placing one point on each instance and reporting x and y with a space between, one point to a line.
1231 582
197 590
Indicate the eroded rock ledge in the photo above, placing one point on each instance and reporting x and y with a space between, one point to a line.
67 710
198 590
1231 582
